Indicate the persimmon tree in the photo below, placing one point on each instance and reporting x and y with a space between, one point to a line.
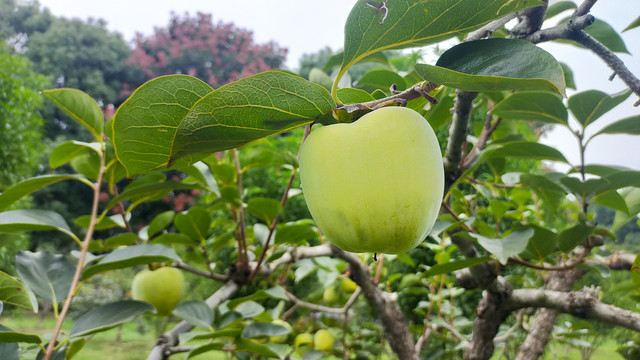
498 268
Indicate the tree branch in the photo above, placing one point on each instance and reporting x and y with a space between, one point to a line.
414 92
490 28
462 105
585 7
530 20
562 31
583 304
161 350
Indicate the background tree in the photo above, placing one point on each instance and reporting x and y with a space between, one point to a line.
21 19
194 45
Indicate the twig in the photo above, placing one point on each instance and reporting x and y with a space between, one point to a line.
83 254
490 28
207 274
315 307
462 105
417 91
243 257
585 7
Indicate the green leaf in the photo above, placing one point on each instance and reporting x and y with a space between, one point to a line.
251 108
145 125
14 292
511 245
417 23
542 243
160 222
629 126
195 312
251 346
539 106
561 6
634 24
149 192
632 199
440 114
265 209
108 222
522 150
203 349
550 191
621 179
449 267
8 336
568 76
108 316
74 347
354 96
116 241
262 329
336 60
295 232
321 78
70 150
9 350
33 220
276 292
80 107
381 79
202 173
573 236
635 273
28 186
613 200
48 276
588 106
194 223
171 239
249 309
583 188
131 256
495 65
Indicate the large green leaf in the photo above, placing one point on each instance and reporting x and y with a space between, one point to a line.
145 125
511 245
194 223
542 243
132 256
80 107
573 236
26 187
417 23
108 316
549 190
10 336
533 106
495 65
14 292
632 199
33 220
195 312
588 106
629 126
249 109
266 209
522 150
48 276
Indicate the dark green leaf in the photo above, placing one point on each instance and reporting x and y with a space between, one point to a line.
202 349
568 76
542 243
251 346
18 337
573 236
558 7
80 107
630 126
295 232
495 65
539 106
583 188
511 245
194 223
26 187
14 292
145 125
9 351
48 276
195 312
261 329
449 267
108 316
265 209
613 200
249 109
522 150
132 256
550 191
33 220
417 23
600 170
588 106
634 24
621 179
70 150
381 79
113 242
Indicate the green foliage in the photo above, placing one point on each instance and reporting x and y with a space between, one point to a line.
20 120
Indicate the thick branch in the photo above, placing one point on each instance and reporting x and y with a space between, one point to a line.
562 31
161 350
583 304
530 20
462 105
393 322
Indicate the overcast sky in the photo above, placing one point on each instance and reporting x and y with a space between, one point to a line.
307 26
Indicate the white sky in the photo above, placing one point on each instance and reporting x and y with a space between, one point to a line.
308 26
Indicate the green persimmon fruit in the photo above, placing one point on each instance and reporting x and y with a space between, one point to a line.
282 338
323 340
163 288
330 295
348 286
303 339
374 185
